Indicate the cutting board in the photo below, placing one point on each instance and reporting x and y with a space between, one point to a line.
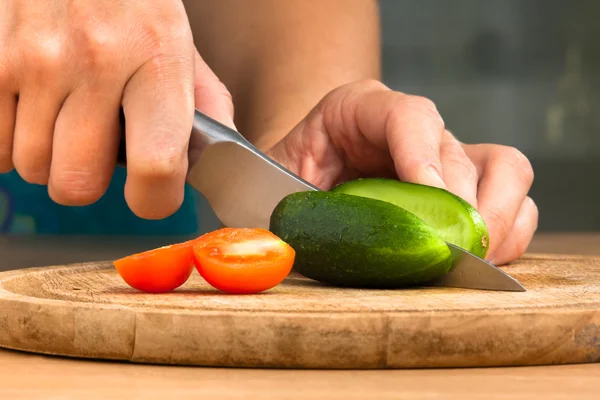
86 310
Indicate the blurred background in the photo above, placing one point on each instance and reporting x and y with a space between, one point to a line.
514 72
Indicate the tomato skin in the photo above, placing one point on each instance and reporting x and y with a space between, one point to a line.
159 270
243 260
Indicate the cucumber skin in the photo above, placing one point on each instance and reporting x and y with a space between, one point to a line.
360 187
351 241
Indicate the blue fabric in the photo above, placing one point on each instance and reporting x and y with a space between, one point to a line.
28 209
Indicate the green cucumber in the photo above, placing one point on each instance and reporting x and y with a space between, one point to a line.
455 219
353 241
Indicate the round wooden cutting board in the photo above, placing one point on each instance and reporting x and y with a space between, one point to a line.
86 310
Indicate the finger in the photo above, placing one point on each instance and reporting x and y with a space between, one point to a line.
460 175
158 103
37 111
210 94
210 97
328 146
506 177
8 110
520 236
409 126
85 145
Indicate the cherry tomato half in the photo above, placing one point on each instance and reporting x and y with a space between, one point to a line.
243 260
159 270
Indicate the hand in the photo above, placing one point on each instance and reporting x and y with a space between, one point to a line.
66 68
365 129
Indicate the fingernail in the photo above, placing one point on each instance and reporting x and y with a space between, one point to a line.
430 176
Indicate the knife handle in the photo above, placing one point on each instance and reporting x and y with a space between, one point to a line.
205 131
122 154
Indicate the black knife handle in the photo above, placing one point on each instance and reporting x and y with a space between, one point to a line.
122 154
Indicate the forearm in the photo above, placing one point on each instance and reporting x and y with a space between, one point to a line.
279 58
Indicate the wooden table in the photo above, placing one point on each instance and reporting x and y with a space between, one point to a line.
29 376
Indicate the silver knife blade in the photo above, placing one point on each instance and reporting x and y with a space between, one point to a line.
472 272
241 184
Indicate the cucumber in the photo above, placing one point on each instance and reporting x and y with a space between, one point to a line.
454 218
354 241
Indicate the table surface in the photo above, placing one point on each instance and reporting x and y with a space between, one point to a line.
32 376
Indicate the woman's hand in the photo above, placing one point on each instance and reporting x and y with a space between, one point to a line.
365 129
66 68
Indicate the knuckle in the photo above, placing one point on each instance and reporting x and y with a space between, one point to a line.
217 92
44 55
150 35
226 96
452 153
175 32
351 90
95 40
424 107
369 84
163 37
75 187
98 47
171 68
519 162
165 166
424 103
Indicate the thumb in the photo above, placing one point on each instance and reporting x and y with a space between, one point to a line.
210 94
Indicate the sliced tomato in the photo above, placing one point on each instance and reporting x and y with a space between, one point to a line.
158 271
243 260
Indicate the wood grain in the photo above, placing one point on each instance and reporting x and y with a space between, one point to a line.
85 310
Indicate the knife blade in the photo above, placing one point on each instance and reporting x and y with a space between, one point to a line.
471 272
243 186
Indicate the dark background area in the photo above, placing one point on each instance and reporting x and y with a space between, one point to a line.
514 72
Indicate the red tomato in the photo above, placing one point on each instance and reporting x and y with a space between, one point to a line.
243 260
158 271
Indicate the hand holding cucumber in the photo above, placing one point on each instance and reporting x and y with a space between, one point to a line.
366 129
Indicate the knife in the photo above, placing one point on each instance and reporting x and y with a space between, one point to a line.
472 272
243 186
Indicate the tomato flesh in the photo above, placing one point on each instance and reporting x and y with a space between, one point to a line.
158 271
243 260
